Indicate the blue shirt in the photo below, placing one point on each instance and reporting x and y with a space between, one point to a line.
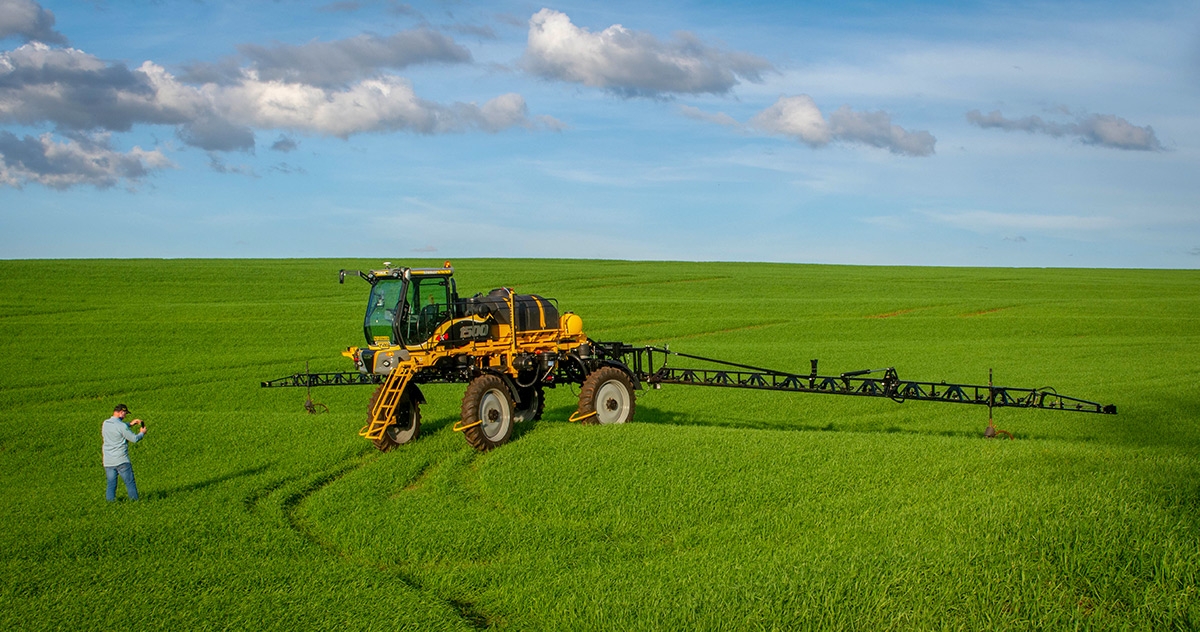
117 437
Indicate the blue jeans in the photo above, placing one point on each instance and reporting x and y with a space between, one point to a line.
125 471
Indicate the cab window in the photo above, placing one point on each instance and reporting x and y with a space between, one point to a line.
429 306
381 310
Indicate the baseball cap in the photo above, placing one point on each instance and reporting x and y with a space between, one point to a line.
120 408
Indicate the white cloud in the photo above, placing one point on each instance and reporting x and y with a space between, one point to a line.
338 62
506 110
28 20
876 129
633 63
1113 131
77 92
370 105
374 105
1106 130
799 117
79 161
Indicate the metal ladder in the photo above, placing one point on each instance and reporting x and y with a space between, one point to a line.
383 412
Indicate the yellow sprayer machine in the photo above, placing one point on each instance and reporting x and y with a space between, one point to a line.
509 347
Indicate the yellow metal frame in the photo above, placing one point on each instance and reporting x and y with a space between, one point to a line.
495 354
384 409
576 416
460 426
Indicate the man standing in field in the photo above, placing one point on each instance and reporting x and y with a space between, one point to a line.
117 437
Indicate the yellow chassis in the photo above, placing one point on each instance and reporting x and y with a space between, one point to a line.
495 354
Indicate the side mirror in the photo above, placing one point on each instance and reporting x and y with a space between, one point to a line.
369 278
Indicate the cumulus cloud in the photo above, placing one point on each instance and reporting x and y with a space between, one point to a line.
28 20
876 129
336 63
339 88
376 105
799 117
1105 130
82 160
216 134
75 91
633 63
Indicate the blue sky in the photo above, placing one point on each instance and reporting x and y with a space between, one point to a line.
897 133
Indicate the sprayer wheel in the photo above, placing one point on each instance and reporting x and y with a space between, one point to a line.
487 412
533 401
606 397
405 427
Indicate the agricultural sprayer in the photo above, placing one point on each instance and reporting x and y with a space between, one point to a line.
508 348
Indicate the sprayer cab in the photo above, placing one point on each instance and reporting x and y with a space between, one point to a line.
418 311
406 305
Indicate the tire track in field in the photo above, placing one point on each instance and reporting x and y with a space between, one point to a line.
291 504
899 312
424 473
985 312
250 502
49 312
904 311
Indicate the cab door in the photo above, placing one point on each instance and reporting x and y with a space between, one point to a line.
429 305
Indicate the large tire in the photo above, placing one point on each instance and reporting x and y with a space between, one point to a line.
405 426
606 397
487 412
533 403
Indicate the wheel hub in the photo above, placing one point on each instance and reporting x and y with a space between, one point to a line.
494 413
613 403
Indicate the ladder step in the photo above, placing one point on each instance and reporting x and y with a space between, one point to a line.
385 408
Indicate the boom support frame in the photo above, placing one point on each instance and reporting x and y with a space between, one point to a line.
648 364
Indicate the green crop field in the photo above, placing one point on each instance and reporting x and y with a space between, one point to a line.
717 509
